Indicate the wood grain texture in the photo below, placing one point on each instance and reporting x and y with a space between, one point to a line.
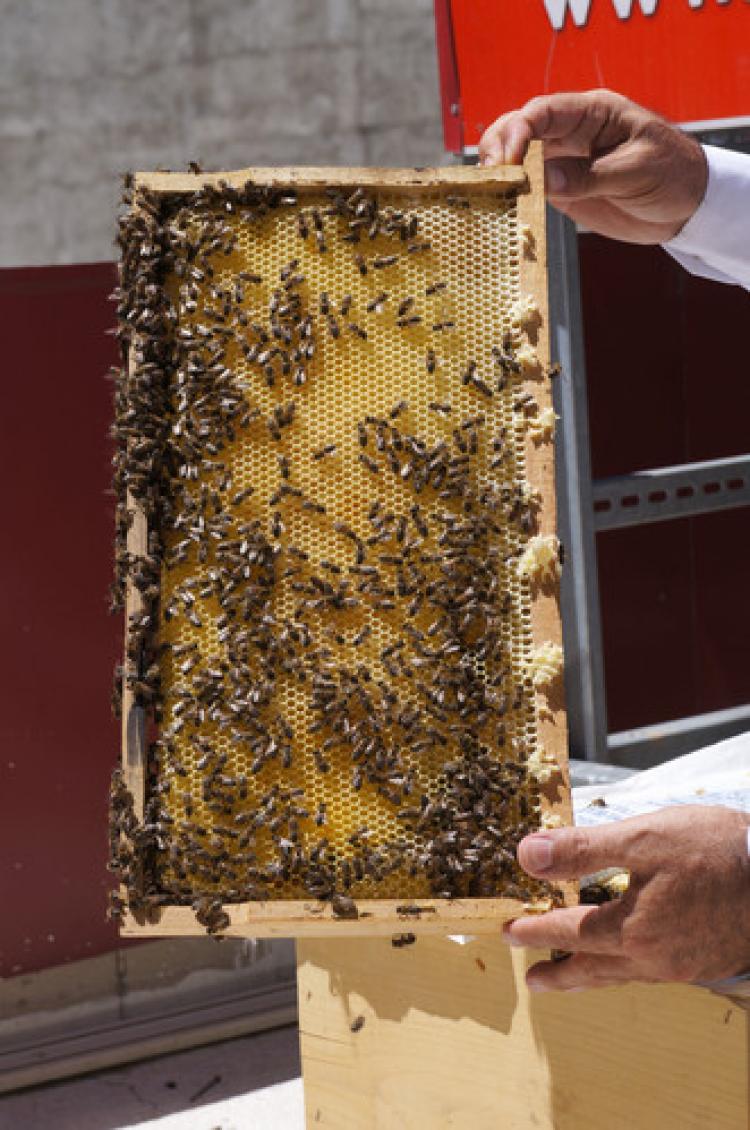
464 178
452 1038
310 919
133 726
546 621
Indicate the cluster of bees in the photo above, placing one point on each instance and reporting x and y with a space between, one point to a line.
232 617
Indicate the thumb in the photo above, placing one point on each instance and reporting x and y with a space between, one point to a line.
613 175
571 853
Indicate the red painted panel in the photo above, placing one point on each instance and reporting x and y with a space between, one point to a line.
659 337
692 63
722 609
450 98
58 741
646 587
674 595
675 617
717 369
633 301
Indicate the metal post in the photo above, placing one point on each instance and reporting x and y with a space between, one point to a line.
584 667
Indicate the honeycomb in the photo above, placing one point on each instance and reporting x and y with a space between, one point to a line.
329 505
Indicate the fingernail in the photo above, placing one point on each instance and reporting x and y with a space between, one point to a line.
537 854
535 985
576 989
556 179
511 939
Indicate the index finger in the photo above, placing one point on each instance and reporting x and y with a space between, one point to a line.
571 125
575 929
571 853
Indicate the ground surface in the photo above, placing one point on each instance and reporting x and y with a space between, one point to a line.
252 1083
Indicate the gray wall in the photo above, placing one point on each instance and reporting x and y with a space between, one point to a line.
90 88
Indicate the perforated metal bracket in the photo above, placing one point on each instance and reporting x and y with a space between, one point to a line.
647 746
671 492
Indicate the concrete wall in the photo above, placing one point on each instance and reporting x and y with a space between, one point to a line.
90 88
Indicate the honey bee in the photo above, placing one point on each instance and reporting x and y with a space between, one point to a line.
375 305
344 907
322 452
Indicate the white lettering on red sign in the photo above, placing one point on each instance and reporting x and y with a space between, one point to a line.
625 7
557 10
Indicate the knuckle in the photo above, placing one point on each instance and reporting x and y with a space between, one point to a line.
539 934
575 847
586 967
680 967
491 131
501 124
537 111
494 133
583 971
602 94
638 943
611 102
657 958
540 102
639 948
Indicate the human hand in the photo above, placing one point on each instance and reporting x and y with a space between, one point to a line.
611 165
685 916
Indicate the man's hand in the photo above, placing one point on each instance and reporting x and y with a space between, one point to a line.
612 166
685 917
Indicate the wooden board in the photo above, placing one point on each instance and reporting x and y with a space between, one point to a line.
133 716
462 178
305 917
546 621
310 919
452 1038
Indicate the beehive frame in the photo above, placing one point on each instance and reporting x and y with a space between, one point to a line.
309 916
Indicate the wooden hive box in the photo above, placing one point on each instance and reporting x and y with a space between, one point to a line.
341 700
438 1035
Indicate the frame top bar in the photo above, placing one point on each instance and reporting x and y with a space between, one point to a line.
465 178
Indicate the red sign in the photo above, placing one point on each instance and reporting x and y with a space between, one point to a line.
688 59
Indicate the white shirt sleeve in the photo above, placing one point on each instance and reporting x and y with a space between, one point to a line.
715 242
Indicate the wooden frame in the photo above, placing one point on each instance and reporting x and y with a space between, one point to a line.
466 178
307 918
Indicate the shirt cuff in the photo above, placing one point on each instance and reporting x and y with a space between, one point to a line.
715 242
